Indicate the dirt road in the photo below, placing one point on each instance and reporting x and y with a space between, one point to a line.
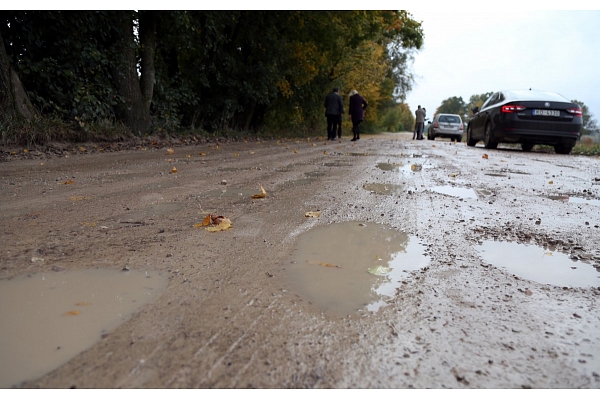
232 316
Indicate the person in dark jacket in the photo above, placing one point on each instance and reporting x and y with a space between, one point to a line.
357 112
334 108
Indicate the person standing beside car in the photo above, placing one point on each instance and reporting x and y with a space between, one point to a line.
357 108
334 108
420 119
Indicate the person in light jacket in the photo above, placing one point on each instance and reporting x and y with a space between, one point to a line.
357 112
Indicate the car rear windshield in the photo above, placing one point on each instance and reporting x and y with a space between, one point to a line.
450 119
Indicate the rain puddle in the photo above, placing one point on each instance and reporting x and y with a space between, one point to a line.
456 192
232 192
577 200
414 167
330 265
537 264
388 166
48 318
383 188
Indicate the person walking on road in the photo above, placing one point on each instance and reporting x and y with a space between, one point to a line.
420 122
357 112
334 109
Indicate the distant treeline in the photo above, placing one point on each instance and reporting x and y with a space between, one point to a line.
172 71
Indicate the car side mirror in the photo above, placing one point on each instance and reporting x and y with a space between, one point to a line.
475 110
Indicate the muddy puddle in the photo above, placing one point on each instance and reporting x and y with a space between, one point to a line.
48 318
537 264
414 167
576 200
463 193
383 188
388 166
330 265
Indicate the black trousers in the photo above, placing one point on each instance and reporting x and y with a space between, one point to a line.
356 129
334 124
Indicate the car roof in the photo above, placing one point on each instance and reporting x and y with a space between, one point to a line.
454 115
513 95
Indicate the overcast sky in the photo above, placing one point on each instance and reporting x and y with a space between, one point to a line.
480 51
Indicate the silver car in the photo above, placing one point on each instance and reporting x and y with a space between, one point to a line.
446 126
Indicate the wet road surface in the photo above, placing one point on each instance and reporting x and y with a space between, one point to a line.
247 308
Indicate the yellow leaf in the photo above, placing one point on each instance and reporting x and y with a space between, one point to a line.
174 170
221 226
452 175
69 182
188 156
314 214
71 313
170 151
314 144
252 152
170 160
25 151
325 152
236 154
82 149
485 156
261 195
551 182
295 151
201 154
324 264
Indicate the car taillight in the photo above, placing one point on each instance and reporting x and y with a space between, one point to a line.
575 111
461 127
435 124
510 108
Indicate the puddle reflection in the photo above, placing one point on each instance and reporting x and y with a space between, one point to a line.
49 318
538 264
311 269
577 200
456 192
383 188
388 166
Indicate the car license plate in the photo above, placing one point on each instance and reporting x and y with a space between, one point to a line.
547 113
449 127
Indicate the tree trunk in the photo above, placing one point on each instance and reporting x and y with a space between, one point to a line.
14 101
136 91
148 42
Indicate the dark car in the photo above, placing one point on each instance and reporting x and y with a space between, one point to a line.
446 126
528 117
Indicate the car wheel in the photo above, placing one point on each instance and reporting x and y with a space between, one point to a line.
459 139
488 140
430 136
470 141
527 146
562 148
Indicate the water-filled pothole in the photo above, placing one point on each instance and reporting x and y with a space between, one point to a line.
414 167
465 193
388 166
383 188
577 200
537 264
48 318
330 265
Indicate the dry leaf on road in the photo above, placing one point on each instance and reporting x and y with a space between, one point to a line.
261 195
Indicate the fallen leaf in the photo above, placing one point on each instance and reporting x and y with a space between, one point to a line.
528 292
224 224
188 156
452 175
71 313
416 167
170 160
236 154
174 170
83 303
325 152
378 259
433 145
485 156
201 154
252 152
69 182
551 182
295 151
324 264
314 214
82 149
261 195
314 144
25 151
170 151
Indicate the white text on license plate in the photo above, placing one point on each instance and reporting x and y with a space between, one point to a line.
547 113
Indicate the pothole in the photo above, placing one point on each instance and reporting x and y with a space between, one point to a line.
383 188
576 200
330 264
388 166
464 193
48 318
538 264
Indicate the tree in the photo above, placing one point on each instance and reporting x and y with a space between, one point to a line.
477 100
452 105
590 125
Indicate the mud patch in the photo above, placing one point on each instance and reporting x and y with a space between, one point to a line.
337 164
338 282
383 188
538 264
463 193
315 174
49 318
388 166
